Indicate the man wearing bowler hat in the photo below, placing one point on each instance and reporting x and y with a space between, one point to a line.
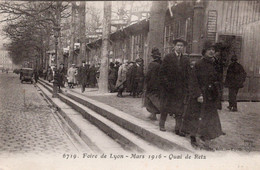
174 84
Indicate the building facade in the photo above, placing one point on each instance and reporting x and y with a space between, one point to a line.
234 24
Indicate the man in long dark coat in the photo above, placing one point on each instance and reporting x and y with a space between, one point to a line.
152 85
83 76
236 76
61 77
202 119
112 75
174 84
137 78
92 72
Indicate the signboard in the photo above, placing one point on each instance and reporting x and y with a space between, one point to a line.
212 25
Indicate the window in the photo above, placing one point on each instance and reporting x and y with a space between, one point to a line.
137 46
175 29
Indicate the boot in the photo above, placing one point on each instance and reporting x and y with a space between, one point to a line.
193 141
153 116
162 126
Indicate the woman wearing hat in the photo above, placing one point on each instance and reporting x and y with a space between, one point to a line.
205 92
72 71
152 85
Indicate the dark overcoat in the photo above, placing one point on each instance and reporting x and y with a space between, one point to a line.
203 82
92 76
236 76
112 75
136 78
83 75
61 76
152 86
174 83
129 77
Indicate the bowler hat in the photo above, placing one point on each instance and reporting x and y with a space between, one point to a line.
180 40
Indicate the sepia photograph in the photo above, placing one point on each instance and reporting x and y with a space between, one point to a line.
129 85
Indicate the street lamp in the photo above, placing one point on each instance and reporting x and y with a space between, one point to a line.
55 79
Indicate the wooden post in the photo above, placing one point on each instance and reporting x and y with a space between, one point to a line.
103 78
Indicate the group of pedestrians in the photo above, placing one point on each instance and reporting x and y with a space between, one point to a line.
86 75
191 91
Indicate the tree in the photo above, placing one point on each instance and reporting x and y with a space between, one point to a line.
30 24
82 26
103 79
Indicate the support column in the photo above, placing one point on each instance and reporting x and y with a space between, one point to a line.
156 29
198 27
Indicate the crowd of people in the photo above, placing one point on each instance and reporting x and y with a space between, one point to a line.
189 91
85 75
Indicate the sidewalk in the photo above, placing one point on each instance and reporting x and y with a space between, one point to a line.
242 128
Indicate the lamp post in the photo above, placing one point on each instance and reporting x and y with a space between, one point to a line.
55 82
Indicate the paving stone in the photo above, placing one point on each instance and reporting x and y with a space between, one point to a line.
27 123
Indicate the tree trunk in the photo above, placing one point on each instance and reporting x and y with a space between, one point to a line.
156 29
71 59
82 26
58 47
103 78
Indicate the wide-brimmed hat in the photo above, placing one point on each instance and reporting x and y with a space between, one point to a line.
155 52
207 45
234 58
180 40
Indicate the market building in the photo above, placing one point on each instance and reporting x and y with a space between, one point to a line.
235 24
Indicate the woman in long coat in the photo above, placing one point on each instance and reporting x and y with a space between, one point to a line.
204 120
49 74
152 85
121 79
72 71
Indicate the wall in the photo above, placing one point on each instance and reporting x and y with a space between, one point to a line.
239 21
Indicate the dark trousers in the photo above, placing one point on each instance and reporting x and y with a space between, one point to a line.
178 120
83 86
121 88
232 96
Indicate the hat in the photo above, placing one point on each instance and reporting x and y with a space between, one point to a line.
207 45
155 52
139 60
234 58
111 64
180 40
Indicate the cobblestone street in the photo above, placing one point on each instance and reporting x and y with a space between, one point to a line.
27 123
